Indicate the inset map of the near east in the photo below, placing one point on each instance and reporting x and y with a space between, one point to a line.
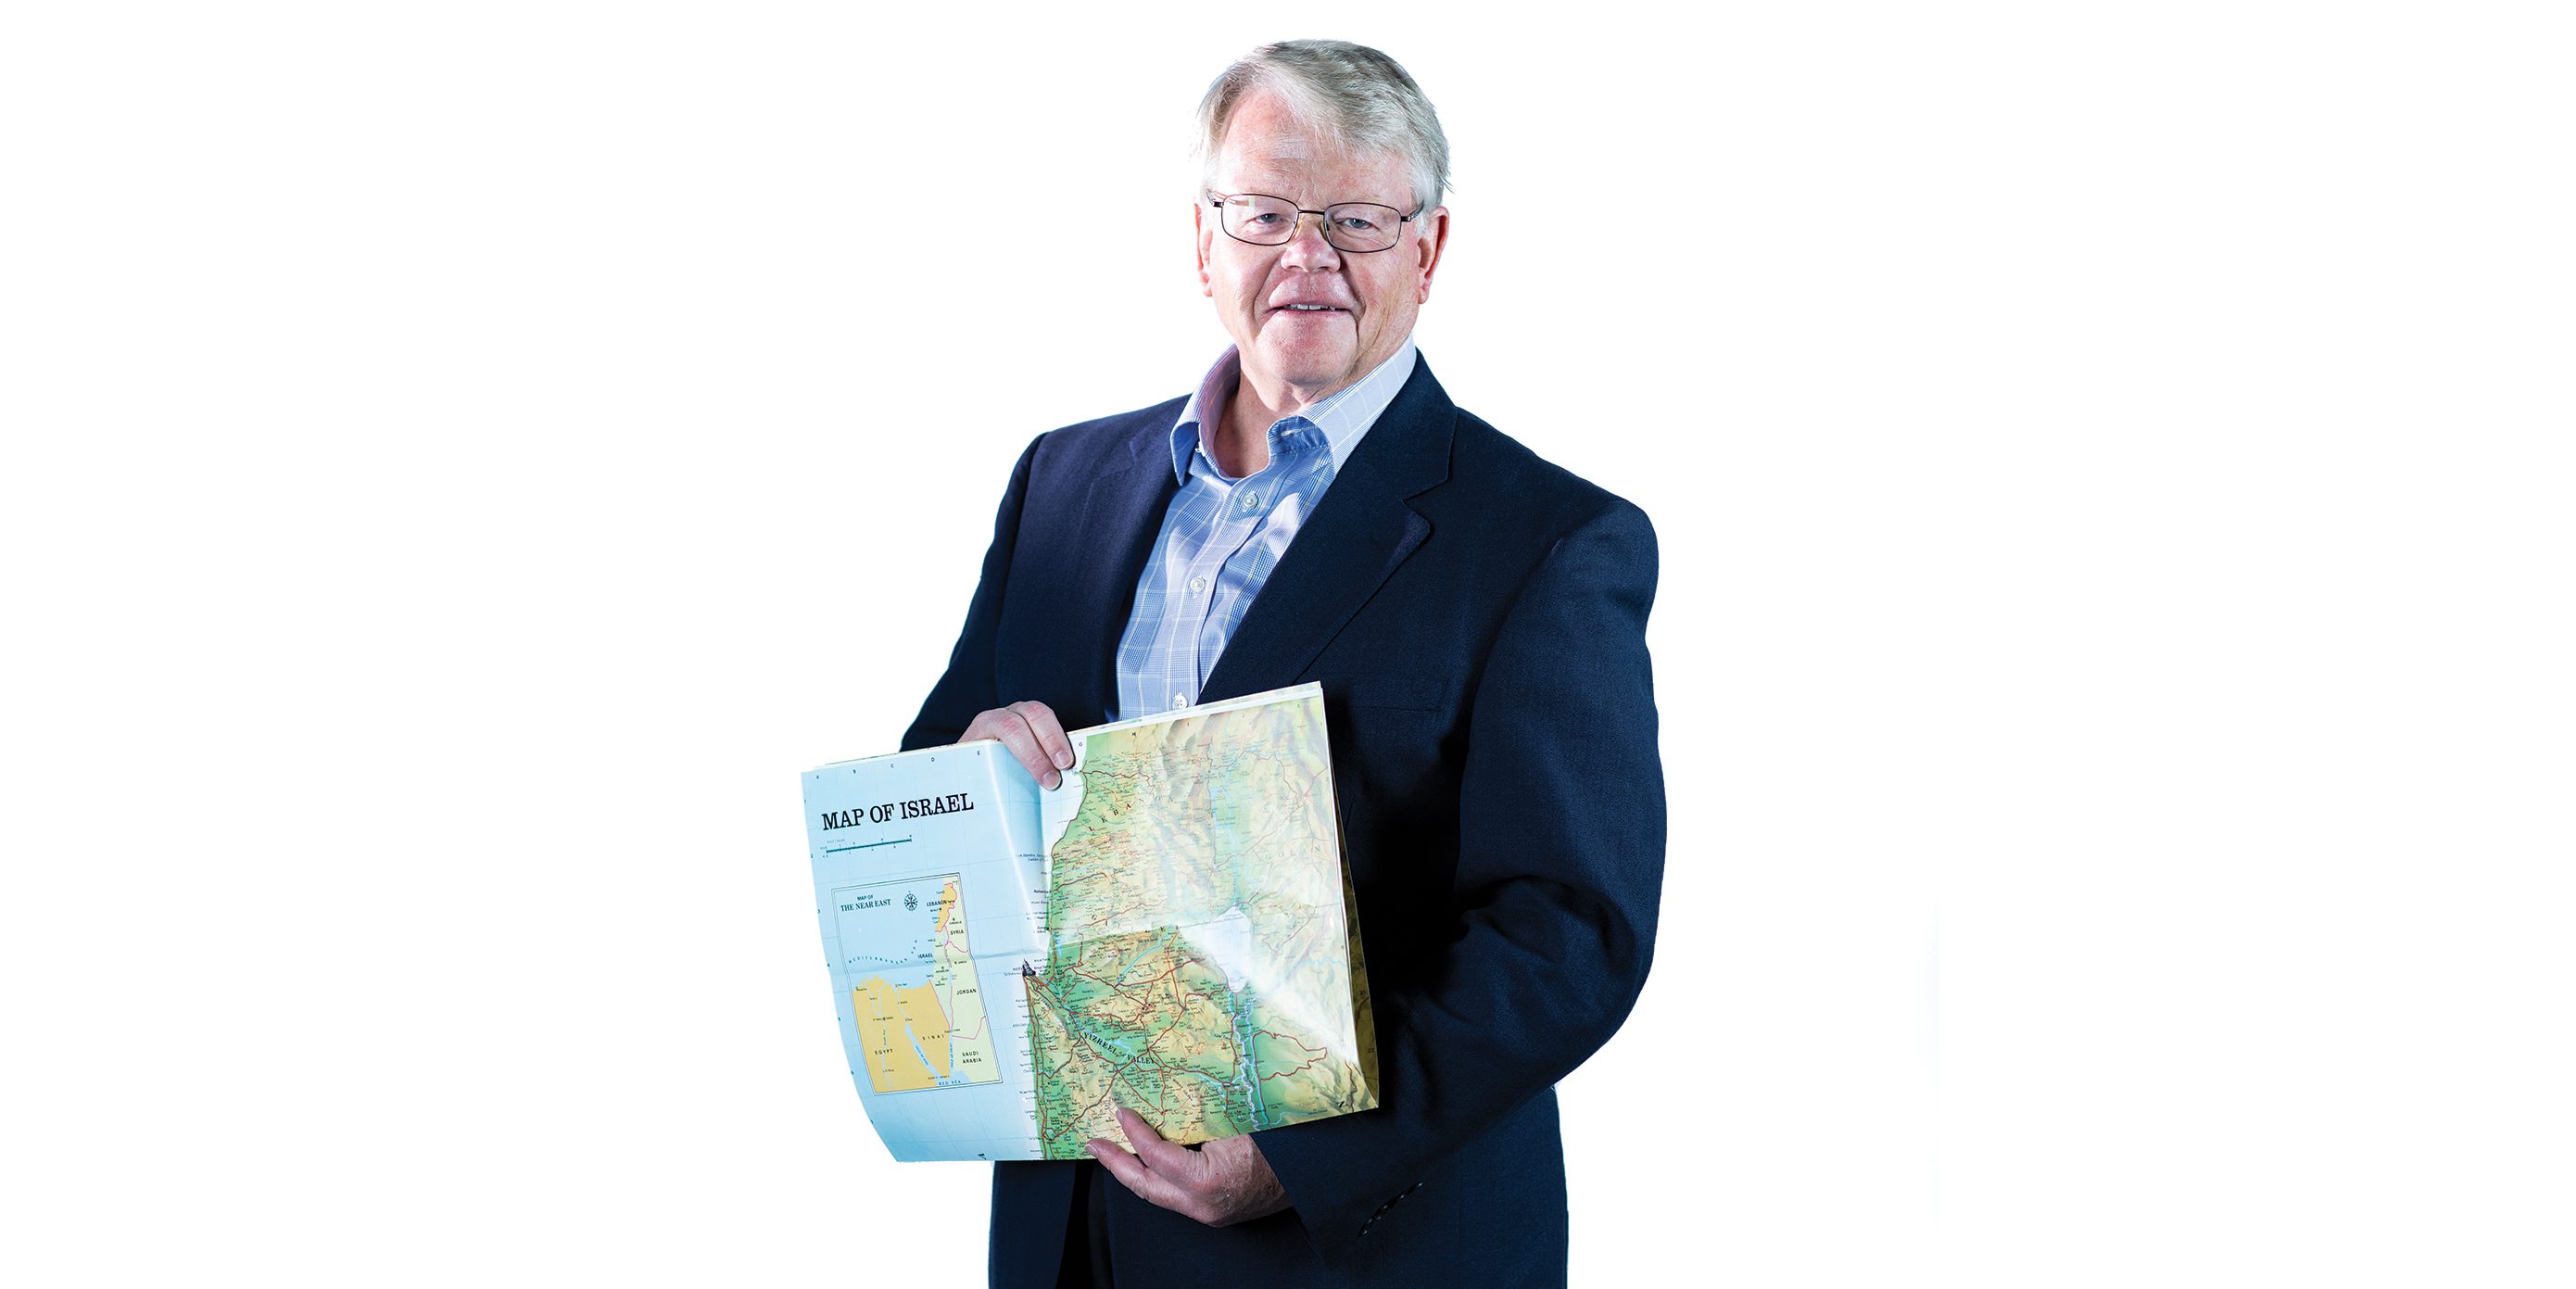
1202 967
919 1009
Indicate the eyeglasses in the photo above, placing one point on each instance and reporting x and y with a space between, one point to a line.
1263 220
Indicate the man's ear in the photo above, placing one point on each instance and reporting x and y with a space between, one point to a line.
1199 237
1427 245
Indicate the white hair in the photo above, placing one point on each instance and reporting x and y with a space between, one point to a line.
1350 97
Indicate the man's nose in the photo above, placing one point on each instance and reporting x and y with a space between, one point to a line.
1306 247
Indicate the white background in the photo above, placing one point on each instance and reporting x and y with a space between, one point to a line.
463 461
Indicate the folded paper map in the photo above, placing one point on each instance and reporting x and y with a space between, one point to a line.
1170 930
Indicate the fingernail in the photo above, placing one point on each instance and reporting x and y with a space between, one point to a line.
1064 760
1053 778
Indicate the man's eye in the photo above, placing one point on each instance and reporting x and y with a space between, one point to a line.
1261 217
1359 224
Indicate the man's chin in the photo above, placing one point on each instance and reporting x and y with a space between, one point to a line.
1303 367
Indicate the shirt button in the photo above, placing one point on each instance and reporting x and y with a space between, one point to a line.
1180 701
1197 584
1251 499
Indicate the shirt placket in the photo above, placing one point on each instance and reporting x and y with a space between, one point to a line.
1245 512
1195 591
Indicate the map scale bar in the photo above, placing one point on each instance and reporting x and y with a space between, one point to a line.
835 850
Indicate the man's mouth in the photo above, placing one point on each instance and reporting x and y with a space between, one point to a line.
1308 308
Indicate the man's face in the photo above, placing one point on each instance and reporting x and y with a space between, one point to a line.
1370 298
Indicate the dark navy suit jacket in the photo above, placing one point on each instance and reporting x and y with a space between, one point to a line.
1477 618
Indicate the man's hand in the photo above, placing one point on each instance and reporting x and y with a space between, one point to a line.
1222 1183
1033 734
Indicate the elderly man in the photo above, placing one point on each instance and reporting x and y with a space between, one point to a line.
1319 510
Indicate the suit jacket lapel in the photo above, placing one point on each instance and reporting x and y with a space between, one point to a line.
1359 534
1121 514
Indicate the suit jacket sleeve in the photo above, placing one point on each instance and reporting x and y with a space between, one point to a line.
1560 864
968 688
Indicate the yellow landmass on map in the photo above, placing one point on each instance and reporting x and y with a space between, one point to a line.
929 1023
892 1064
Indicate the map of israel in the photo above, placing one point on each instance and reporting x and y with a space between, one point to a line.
1203 968
919 1008
1170 930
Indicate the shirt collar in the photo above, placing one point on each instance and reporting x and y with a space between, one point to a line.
1344 416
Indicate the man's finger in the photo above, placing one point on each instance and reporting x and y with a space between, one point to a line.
1011 726
1022 739
1148 1185
1050 731
1179 1162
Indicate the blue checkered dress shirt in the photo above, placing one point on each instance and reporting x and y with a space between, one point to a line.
1222 536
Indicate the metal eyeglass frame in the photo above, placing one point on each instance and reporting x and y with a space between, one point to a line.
1322 221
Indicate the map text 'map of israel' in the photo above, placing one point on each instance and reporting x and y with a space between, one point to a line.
1202 967
920 1011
